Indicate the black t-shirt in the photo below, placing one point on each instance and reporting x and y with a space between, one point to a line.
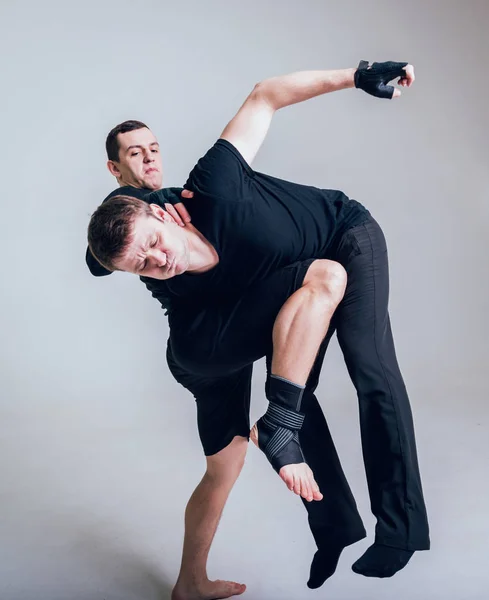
257 224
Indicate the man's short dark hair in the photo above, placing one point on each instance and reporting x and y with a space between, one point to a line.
111 228
112 143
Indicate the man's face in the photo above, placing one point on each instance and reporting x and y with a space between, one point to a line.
159 248
139 161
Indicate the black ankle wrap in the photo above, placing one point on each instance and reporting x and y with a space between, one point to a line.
286 424
278 436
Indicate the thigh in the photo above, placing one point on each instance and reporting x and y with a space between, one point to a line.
223 403
362 317
219 339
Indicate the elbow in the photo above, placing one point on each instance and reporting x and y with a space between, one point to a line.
263 92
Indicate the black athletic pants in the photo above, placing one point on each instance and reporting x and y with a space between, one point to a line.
211 353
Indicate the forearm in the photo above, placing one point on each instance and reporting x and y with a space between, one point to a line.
303 85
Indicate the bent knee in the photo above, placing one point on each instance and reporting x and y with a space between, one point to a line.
226 465
328 277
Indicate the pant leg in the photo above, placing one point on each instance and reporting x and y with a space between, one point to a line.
387 430
335 519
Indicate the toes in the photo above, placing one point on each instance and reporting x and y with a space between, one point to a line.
226 589
297 485
303 487
236 588
316 493
300 480
306 490
315 490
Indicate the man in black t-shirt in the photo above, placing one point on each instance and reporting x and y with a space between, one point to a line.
133 154
133 158
246 228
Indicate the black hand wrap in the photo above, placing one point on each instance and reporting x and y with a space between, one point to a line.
374 80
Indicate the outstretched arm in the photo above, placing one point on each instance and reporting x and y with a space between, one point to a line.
248 128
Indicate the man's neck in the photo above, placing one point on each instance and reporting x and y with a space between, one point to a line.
203 255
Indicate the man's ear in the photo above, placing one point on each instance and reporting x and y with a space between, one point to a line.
159 212
113 168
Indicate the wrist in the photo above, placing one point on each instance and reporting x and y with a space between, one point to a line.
350 77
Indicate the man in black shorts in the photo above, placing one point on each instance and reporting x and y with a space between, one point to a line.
248 229
134 159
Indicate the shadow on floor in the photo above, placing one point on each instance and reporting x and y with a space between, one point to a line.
129 575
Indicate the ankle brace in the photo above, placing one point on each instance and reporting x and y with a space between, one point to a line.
278 429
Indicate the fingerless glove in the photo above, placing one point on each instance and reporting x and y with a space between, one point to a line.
374 80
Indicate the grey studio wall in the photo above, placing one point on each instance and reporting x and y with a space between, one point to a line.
99 449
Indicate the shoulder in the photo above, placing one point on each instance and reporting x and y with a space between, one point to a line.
171 195
220 171
129 190
229 152
161 197
224 150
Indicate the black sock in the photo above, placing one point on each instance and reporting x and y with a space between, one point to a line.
381 561
323 565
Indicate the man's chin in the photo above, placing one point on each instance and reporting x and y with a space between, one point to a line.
153 183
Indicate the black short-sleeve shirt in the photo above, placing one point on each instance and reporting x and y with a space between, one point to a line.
257 224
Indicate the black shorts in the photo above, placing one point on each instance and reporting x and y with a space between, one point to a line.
211 352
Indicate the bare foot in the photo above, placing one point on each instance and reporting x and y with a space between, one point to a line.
297 477
300 480
208 590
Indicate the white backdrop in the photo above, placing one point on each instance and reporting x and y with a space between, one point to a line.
99 447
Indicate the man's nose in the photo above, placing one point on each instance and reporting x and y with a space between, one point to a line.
148 157
157 257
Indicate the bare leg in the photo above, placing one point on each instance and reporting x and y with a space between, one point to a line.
202 516
299 329
304 319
